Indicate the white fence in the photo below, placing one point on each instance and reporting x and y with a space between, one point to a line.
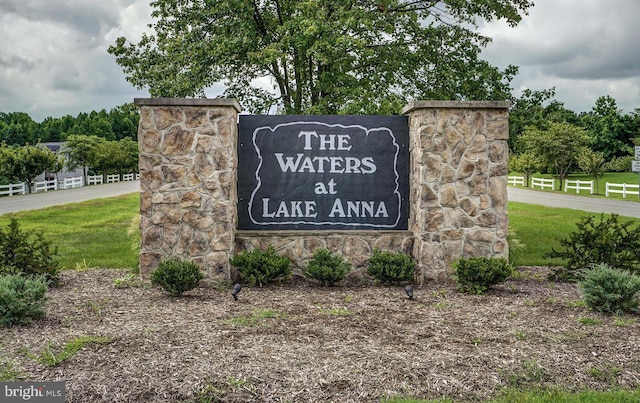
516 180
13 189
69 183
543 183
45 186
66 183
578 185
94 179
622 188
113 178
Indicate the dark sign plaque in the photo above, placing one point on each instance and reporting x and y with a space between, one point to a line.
323 172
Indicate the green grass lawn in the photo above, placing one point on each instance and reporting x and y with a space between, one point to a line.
88 234
549 396
540 228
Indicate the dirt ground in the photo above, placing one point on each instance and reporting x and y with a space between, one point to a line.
315 344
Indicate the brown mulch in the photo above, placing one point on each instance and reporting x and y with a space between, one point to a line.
315 344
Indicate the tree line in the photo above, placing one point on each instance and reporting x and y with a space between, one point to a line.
18 128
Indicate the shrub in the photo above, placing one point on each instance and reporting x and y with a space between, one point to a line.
259 267
21 299
477 274
391 267
27 252
620 164
607 241
176 276
606 289
327 267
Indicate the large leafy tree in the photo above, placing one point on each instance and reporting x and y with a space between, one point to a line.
558 147
606 124
23 164
79 152
320 56
535 109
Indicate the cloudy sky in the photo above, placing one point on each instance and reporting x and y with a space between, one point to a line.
54 60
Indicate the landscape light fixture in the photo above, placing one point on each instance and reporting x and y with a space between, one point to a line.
236 291
409 290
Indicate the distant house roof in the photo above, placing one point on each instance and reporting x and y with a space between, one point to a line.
53 146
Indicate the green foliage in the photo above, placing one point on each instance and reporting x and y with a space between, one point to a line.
592 163
608 290
26 252
176 276
8 372
558 146
477 274
526 164
608 241
327 267
129 280
537 395
23 164
391 267
21 299
620 164
17 128
516 247
323 57
607 128
260 267
51 358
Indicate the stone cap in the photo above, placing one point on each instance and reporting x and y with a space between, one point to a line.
188 102
415 105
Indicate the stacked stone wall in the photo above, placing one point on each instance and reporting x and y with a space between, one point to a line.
188 171
458 182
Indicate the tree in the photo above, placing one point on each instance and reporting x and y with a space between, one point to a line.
558 147
592 163
114 156
23 164
526 164
606 125
320 56
536 108
79 150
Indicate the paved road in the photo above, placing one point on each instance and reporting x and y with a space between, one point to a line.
595 205
53 198
41 200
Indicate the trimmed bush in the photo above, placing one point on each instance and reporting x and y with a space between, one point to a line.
27 253
176 276
477 274
327 267
608 241
260 267
21 299
606 289
391 267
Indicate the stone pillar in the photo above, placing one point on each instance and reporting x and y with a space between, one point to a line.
188 175
458 180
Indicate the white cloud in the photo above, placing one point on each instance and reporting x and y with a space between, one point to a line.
585 48
54 60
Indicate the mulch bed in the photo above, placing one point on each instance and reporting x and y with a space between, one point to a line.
301 343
